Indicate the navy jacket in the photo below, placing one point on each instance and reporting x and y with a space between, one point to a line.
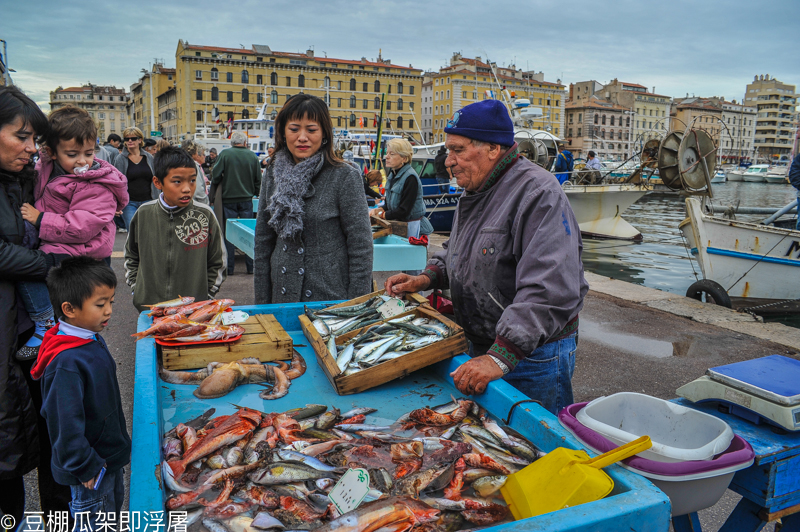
82 406
794 174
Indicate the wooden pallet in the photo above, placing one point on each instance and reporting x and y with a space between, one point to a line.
264 338
391 369
388 227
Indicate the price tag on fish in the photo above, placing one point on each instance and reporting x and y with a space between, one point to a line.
350 491
236 316
392 308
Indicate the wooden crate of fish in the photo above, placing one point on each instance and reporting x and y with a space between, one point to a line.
263 338
385 350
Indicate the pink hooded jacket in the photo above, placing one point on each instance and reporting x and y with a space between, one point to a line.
79 211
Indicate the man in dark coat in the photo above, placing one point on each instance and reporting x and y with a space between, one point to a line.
442 175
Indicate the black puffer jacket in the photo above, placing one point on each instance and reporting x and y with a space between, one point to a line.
19 449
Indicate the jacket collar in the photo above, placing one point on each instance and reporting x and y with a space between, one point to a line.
52 345
170 211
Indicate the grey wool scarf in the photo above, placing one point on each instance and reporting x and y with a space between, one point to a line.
292 182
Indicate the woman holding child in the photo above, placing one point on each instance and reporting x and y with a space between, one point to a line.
313 240
21 124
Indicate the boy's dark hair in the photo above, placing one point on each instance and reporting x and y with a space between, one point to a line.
70 123
114 137
75 279
171 157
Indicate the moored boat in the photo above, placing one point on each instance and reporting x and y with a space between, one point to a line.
753 263
719 176
756 173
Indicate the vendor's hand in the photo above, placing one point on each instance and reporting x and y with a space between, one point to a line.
472 377
397 285
378 211
29 213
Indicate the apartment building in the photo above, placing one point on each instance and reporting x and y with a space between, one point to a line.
651 118
105 104
699 113
236 82
469 80
599 125
737 136
145 107
427 108
776 120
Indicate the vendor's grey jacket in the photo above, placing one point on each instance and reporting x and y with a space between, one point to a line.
513 260
333 257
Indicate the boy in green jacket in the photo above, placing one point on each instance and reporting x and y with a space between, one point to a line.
174 245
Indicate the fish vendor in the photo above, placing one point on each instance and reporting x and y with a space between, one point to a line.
512 263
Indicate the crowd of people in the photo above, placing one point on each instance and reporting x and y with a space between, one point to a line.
512 263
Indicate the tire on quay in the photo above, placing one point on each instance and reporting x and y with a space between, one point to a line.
710 292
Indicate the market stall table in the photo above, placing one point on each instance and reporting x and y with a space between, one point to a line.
770 488
390 253
634 504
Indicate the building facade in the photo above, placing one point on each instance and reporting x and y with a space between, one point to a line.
598 125
145 93
427 108
651 111
105 104
467 81
168 114
699 113
235 83
776 120
737 136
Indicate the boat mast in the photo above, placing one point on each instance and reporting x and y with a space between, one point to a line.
380 132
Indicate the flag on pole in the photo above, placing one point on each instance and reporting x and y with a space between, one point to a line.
375 121
490 94
216 115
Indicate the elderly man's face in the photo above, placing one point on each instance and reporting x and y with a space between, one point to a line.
470 164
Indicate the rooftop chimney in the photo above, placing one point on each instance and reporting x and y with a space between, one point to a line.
310 53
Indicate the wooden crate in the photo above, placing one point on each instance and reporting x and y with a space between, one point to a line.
385 227
264 338
391 369
398 228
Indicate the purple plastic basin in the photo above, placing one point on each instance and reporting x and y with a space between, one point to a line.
739 451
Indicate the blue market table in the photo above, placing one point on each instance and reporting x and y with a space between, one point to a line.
770 488
634 504
390 253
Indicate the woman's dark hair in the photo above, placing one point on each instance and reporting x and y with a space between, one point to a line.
313 108
15 104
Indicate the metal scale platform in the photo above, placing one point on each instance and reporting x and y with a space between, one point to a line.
761 390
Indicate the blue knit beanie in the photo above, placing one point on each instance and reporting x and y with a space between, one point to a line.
487 120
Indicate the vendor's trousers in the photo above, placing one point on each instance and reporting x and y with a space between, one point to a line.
546 375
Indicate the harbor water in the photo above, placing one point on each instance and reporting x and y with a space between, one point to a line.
661 260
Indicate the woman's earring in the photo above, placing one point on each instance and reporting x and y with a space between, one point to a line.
324 141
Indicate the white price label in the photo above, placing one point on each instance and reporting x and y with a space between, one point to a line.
350 491
236 316
392 308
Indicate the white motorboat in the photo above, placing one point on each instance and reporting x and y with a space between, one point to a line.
719 176
753 263
599 208
756 173
736 174
260 131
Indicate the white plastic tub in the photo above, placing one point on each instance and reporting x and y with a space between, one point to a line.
678 433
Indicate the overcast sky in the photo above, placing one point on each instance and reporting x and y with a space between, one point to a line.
702 47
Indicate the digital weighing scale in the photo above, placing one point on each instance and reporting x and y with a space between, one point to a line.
763 389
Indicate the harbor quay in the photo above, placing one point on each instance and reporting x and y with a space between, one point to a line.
632 338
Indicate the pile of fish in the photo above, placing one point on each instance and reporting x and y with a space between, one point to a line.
387 341
184 320
433 470
219 379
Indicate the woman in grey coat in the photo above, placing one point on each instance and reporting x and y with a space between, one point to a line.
313 239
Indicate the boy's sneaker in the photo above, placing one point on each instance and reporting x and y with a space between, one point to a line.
121 230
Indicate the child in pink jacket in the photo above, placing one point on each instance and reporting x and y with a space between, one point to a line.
76 199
